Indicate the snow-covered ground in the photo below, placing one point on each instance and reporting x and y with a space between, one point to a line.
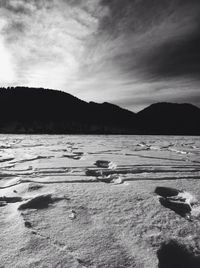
96 206
137 157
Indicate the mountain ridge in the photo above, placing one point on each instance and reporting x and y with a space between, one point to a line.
46 111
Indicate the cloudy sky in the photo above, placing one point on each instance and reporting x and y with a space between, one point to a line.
128 52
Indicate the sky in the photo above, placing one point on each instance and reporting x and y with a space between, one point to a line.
128 52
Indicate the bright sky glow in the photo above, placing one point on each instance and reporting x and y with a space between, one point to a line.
129 52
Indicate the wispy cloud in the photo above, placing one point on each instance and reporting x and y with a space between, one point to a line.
130 52
46 39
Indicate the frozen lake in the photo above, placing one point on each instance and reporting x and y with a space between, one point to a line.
61 157
91 201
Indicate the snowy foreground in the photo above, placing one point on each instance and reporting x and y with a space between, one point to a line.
90 201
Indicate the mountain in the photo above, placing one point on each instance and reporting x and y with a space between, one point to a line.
170 118
38 111
31 110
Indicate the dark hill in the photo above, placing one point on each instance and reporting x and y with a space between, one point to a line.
31 110
170 118
112 114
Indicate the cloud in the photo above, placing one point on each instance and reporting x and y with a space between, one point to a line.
146 33
176 58
44 37
145 43
123 51
7 72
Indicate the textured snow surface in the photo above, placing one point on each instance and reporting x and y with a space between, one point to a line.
131 157
89 201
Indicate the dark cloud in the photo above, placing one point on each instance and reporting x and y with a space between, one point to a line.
6 4
160 38
176 57
135 15
16 27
